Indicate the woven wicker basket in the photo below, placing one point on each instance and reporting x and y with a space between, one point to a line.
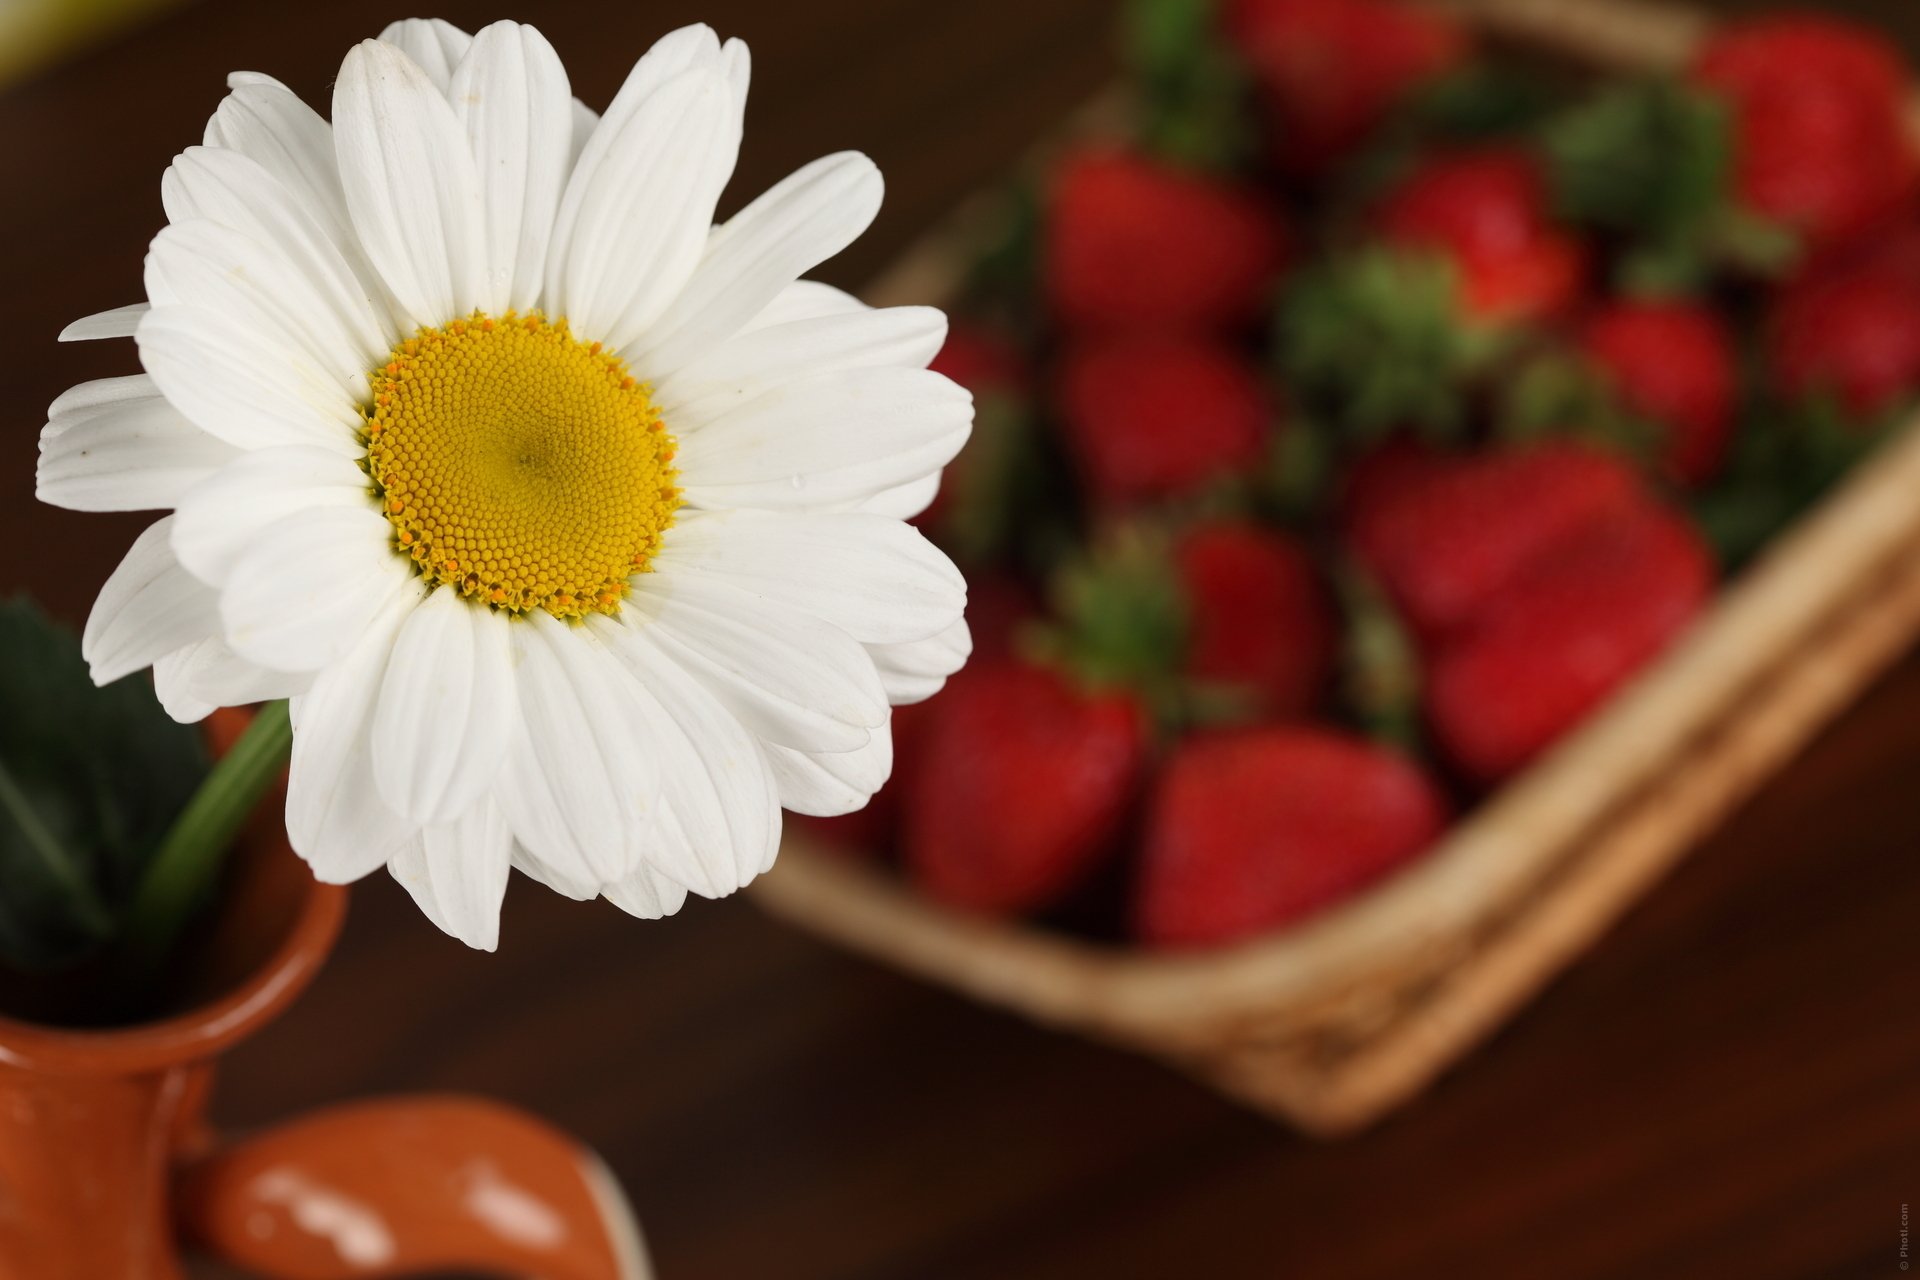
1334 1022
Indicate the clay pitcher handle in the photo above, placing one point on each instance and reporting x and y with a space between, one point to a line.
404 1186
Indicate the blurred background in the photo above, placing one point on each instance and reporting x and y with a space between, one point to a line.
1728 1085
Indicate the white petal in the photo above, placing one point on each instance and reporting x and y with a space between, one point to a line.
204 264
446 710
300 597
129 455
117 323
788 676
874 578
915 672
903 501
84 398
580 784
585 121
741 368
410 183
828 784
805 300
467 863
266 122
241 386
282 216
221 517
148 607
567 885
639 206
835 438
408 865
510 94
192 681
798 223
646 895
335 817
714 781
434 44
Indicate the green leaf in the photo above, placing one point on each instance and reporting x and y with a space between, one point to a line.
89 780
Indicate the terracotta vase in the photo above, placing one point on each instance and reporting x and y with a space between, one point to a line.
109 1170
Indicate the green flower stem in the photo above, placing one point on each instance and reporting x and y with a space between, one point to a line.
54 857
190 857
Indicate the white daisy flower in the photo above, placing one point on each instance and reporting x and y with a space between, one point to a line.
571 523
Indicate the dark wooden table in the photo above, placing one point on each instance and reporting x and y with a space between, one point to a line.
1729 1086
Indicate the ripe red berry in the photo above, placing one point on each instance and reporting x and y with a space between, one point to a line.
1329 71
1252 830
1818 103
1020 782
1486 212
1671 363
1447 542
1259 620
1156 417
1135 244
1562 637
1853 334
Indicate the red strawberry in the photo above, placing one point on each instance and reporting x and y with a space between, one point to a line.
1249 831
1820 143
1852 333
1447 544
1379 481
1486 211
1331 70
1150 417
1258 616
1672 364
1021 782
1135 244
1560 639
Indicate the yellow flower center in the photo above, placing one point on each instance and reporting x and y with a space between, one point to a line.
522 468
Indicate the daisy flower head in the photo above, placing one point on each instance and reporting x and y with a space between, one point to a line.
572 525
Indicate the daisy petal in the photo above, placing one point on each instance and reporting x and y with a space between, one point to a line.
916 671
335 817
713 779
805 300
204 264
408 866
435 45
221 517
903 501
117 323
148 607
646 895
130 455
193 681
828 784
580 783
467 864
266 122
446 711
580 890
735 371
788 676
510 94
240 385
639 206
300 597
409 177
835 438
798 223
874 578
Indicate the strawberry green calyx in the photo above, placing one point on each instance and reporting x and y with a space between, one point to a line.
1122 618
1376 342
1652 161
1557 394
1191 90
1380 666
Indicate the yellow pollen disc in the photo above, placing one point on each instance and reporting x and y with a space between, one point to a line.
518 466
